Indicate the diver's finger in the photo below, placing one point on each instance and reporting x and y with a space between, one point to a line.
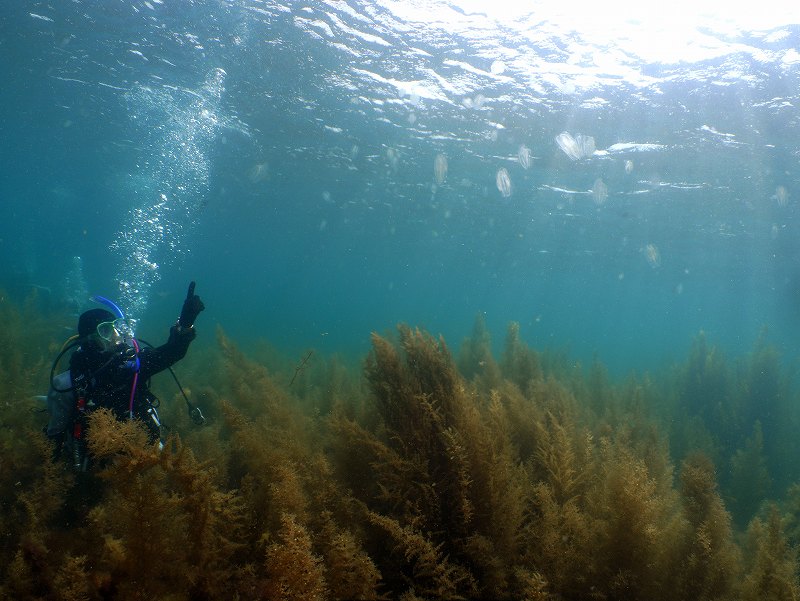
190 294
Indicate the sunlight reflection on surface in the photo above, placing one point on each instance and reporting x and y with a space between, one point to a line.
683 30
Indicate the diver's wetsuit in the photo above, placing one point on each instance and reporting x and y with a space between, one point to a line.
110 387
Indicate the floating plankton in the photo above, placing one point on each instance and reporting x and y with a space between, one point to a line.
503 182
440 168
577 148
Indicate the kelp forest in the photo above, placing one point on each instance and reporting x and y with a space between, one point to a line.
424 470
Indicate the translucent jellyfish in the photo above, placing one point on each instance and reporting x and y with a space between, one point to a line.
503 182
440 168
258 172
599 191
782 196
628 166
586 144
652 255
393 158
567 143
577 148
524 156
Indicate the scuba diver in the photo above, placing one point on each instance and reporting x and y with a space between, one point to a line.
109 369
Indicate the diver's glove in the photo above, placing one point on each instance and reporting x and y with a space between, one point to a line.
191 309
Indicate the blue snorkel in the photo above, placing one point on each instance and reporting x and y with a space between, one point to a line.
132 364
108 303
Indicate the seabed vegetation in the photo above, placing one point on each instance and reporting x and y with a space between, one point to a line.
420 474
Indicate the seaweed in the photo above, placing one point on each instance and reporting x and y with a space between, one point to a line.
351 574
422 404
749 477
425 567
475 359
294 572
743 416
520 365
161 515
709 561
444 464
412 476
631 521
772 571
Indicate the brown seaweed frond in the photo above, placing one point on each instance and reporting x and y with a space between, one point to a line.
475 360
791 508
356 454
336 386
531 586
599 391
72 582
29 574
708 564
264 464
500 483
32 484
163 514
458 484
422 401
557 456
349 571
27 518
635 403
385 374
253 389
772 571
424 371
522 419
139 530
294 572
632 520
704 390
45 488
520 364
215 520
549 394
124 443
379 476
430 370
558 538
749 477
447 464
23 347
430 573
766 396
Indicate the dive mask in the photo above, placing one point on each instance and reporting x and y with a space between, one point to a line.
119 331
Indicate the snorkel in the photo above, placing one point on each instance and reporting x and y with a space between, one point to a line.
108 303
132 364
